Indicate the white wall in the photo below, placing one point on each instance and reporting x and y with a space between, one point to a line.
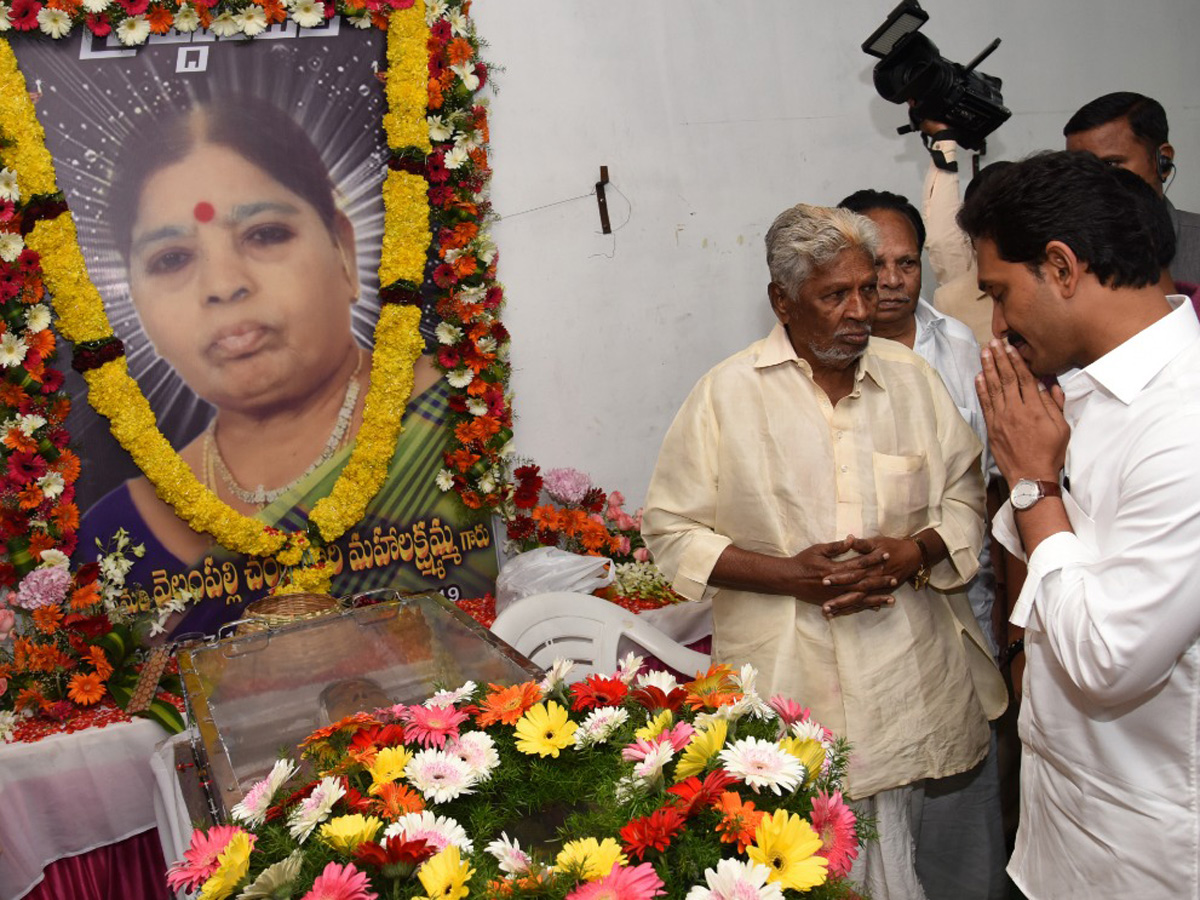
713 117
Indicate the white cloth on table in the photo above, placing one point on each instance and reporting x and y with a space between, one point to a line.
1110 723
70 793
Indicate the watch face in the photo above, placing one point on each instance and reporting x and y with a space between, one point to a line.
1025 493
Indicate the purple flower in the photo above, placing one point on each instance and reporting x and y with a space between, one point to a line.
566 485
43 587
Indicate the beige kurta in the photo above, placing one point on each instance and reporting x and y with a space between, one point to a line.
758 457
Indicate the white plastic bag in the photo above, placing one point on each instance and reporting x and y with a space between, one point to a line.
549 569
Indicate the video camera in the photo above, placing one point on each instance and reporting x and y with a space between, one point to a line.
911 69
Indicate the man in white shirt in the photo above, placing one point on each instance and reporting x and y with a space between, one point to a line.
817 487
1110 798
961 852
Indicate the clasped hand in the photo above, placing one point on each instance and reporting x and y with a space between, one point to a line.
857 583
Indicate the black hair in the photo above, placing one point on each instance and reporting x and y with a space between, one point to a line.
1147 119
1102 212
257 130
865 200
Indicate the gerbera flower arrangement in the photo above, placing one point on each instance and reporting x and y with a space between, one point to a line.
69 640
629 786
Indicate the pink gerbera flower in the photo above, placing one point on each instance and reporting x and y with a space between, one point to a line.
679 736
341 883
622 883
788 709
431 726
834 823
200 860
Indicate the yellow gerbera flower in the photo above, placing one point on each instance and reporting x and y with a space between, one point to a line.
388 766
544 730
656 726
589 859
345 833
704 745
445 876
810 753
232 866
785 844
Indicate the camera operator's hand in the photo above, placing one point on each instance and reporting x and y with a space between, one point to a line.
929 126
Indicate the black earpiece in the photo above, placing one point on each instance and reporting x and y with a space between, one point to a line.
1165 165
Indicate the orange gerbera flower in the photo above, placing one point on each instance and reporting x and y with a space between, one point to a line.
395 799
66 517
714 689
30 497
85 688
12 394
83 597
18 440
507 704
67 465
41 343
462 459
160 19
97 657
39 541
47 619
739 820
459 51
42 658
547 517
29 698
466 265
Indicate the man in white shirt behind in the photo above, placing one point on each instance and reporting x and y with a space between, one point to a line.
1110 798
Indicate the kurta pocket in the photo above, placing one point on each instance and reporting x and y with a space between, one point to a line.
902 489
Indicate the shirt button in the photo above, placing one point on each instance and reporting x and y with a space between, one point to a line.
845 469
838 435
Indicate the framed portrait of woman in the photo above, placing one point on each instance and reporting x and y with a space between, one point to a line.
227 196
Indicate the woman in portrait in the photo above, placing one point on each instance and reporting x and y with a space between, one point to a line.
242 272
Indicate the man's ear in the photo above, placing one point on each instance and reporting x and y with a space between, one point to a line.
779 301
1063 268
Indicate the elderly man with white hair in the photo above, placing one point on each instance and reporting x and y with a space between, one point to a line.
823 490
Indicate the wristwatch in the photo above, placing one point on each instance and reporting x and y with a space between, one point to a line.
1027 492
921 576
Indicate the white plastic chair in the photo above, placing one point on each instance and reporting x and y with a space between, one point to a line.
591 631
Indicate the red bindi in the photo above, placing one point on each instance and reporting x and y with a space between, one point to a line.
204 211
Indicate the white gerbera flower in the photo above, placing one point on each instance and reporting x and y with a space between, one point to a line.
53 22
477 407
600 725
314 809
664 681
132 32
52 485
762 764
508 853
556 675
444 480
439 129
11 244
252 20
224 25
466 72
95 6
8 720
460 378
434 10
275 880
308 13
187 19
459 23
487 483
486 344
478 751
362 21
449 698
812 729
456 158
439 831
651 766
55 557
5 25
37 318
473 294
447 334
252 810
628 667
12 350
29 423
439 776
737 879
10 191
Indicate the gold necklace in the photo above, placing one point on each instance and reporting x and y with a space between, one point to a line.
260 496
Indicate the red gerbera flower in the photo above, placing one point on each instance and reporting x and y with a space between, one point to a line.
596 691
695 795
23 14
396 857
654 698
652 832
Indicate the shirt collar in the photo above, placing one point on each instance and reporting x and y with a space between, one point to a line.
777 349
1125 370
928 319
